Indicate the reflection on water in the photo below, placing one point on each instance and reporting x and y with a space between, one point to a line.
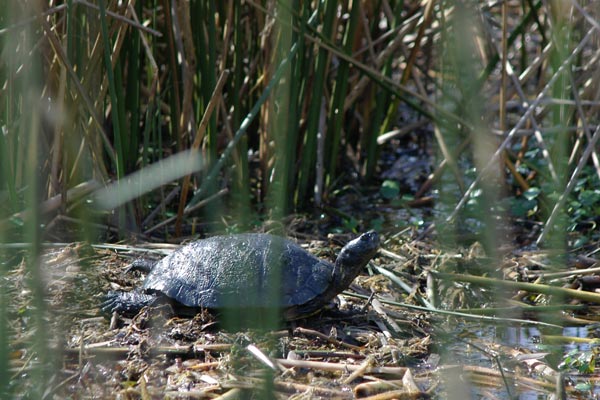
530 338
516 348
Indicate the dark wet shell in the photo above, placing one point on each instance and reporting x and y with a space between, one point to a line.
248 270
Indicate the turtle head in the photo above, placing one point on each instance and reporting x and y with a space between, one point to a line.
354 256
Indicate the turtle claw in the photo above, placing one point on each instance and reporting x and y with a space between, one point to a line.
126 303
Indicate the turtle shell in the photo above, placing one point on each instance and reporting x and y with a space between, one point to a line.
243 271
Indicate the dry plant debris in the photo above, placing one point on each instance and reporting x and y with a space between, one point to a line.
366 347
156 354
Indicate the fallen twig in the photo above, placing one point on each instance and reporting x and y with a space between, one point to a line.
529 287
190 351
311 332
341 367
483 318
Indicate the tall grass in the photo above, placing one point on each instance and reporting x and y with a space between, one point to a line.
135 94
23 178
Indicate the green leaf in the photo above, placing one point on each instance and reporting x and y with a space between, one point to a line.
532 193
589 197
350 224
389 189
580 242
377 223
583 387
522 207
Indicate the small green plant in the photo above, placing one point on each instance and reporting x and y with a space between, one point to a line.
582 361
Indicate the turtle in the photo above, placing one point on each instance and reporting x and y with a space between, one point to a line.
248 271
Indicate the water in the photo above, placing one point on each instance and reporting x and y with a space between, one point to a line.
529 351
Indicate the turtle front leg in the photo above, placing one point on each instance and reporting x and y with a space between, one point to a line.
127 303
